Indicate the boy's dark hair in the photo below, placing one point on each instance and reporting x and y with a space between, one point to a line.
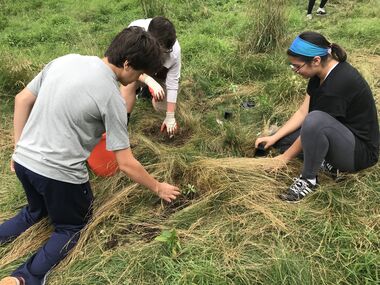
163 30
337 52
139 48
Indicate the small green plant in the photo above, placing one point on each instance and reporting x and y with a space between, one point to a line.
171 241
189 189
233 88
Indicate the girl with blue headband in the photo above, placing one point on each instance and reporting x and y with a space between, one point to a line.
336 127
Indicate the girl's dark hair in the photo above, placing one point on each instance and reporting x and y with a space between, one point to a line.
163 30
337 52
139 48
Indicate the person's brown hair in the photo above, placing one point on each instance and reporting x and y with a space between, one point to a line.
138 47
163 30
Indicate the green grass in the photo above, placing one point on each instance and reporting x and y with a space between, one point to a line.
232 229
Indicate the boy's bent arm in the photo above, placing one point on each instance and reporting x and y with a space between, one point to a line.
134 170
24 103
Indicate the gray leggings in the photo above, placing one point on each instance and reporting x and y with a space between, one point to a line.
322 137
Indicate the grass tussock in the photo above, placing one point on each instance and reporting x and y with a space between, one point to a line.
267 26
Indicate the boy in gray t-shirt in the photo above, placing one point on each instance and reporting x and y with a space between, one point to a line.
59 117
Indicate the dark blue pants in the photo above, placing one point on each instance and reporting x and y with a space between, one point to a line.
67 205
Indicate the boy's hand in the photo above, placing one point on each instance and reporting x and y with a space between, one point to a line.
167 192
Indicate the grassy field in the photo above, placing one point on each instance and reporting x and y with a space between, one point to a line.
228 227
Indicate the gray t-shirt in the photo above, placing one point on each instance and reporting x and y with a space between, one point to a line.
78 99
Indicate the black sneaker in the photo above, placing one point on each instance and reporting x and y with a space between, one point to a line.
330 170
298 190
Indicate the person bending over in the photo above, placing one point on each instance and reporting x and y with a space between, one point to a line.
164 84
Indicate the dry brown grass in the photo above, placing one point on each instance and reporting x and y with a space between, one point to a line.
241 92
244 180
6 140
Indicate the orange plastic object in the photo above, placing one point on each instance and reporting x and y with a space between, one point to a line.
101 161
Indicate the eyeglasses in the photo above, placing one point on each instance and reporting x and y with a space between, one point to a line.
296 67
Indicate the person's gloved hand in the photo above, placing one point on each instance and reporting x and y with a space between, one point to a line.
169 123
155 88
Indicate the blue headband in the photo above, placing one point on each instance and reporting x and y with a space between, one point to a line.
305 48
